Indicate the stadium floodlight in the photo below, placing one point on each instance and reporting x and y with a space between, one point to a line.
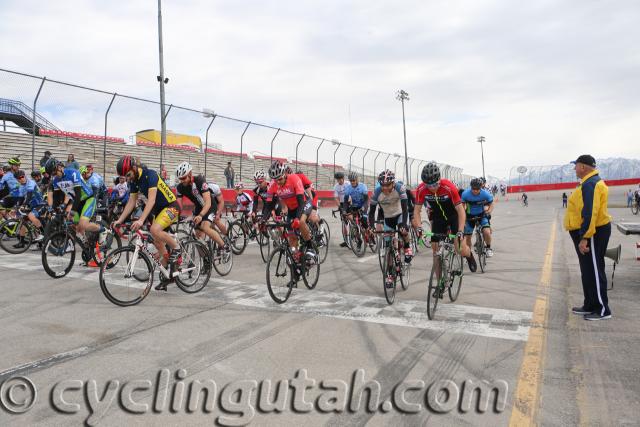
208 113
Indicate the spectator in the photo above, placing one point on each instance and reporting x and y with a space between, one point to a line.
47 156
163 173
564 200
71 162
230 174
589 225
629 197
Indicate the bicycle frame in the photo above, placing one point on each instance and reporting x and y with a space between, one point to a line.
141 241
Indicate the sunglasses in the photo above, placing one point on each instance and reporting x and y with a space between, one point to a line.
184 178
433 185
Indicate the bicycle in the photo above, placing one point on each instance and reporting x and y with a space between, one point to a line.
288 265
479 245
393 267
10 231
321 236
451 272
344 225
128 272
221 259
635 203
360 237
525 203
242 230
63 242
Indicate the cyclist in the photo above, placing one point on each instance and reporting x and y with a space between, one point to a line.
68 183
338 194
525 199
244 201
307 184
290 192
479 207
96 182
391 196
260 192
9 185
161 204
447 212
196 189
356 198
30 193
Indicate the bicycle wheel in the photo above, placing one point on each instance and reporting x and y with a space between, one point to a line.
119 276
373 241
358 245
481 251
454 272
389 270
222 259
237 237
310 270
405 271
323 237
434 291
382 247
280 278
58 254
10 236
265 245
195 269
634 208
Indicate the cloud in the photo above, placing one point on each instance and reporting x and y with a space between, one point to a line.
542 81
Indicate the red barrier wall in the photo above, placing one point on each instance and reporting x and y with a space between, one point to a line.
567 185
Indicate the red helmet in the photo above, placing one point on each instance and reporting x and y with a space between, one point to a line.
125 164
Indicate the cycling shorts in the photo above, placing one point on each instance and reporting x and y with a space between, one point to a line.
470 224
87 210
168 215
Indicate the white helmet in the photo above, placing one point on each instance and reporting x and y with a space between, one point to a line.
259 176
183 169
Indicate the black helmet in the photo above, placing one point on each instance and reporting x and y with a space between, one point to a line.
430 173
51 166
353 176
339 175
19 174
476 183
35 173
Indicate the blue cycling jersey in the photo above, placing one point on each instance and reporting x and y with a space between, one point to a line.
476 203
31 188
9 181
96 181
69 181
357 194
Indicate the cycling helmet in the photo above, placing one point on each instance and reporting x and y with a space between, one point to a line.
51 166
259 176
6 168
476 183
353 176
19 174
277 170
83 169
338 175
183 169
430 174
483 180
386 177
288 170
239 186
125 164
42 169
36 173
14 161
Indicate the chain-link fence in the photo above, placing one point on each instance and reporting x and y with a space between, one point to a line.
609 168
99 126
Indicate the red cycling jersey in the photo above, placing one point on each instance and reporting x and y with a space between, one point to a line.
306 183
287 193
443 202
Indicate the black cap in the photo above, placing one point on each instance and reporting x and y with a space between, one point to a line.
586 159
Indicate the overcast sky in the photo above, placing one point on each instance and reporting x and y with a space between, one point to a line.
543 81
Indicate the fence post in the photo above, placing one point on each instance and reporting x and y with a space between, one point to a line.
350 156
297 145
395 166
33 130
334 156
410 171
363 157
385 161
242 147
317 159
206 145
104 145
274 138
374 169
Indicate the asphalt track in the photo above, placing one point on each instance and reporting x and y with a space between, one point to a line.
510 326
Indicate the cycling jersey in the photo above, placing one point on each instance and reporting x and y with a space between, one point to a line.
194 191
391 204
358 195
67 183
307 184
475 203
338 191
31 193
147 179
122 190
443 202
288 192
96 182
244 202
10 182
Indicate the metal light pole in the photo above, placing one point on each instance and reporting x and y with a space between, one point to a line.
481 141
163 81
206 140
404 96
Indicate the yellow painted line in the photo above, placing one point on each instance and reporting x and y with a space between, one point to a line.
527 394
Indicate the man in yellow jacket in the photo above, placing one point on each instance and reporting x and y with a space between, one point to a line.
589 225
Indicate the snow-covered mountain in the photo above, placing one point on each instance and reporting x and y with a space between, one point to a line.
610 168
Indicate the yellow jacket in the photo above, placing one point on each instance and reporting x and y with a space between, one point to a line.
587 206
